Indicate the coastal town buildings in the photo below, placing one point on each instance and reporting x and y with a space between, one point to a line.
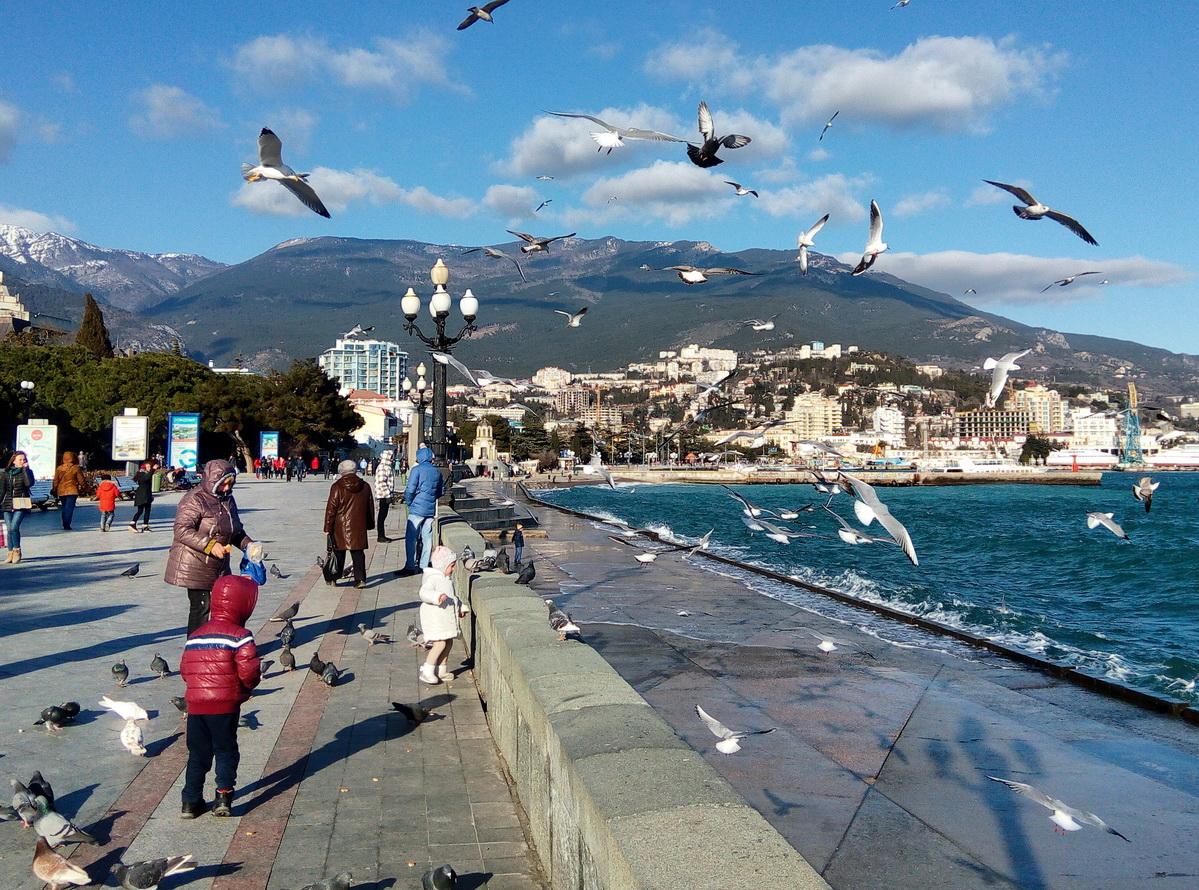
355 363
14 317
992 423
552 378
1045 407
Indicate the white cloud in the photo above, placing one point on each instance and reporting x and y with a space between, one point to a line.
1019 278
293 125
988 194
819 154
511 201
913 205
65 81
834 194
167 112
951 83
338 189
277 62
673 191
9 116
33 220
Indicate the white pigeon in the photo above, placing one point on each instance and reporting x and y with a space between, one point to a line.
829 123
694 275
999 371
479 378
1068 280
1065 817
481 14
874 244
805 241
759 324
869 508
271 166
131 738
611 136
126 710
730 741
1107 520
499 255
573 319
741 190
1143 491
645 558
1034 210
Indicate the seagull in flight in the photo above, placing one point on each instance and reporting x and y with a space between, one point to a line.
1065 817
701 544
999 372
828 125
1068 280
1143 491
759 324
968 291
358 330
851 535
479 378
499 255
869 507
612 198
901 4
730 740
805 240
1034 209
271 166
533 244
694 275
1107 520
705 155
612 136
573 320
875 244
545 178
757 435
481 14
543 204
741 190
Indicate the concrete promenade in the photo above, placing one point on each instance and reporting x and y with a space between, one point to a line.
330 779
877 774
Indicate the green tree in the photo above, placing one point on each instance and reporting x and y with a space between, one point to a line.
1036 448
305 406
92 334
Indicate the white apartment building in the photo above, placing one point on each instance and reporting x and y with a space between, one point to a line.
1045 407
811 417
932 371
552 378
1093 430
1189 410
888 423
377 365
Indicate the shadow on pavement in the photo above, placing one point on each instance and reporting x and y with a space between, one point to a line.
87 653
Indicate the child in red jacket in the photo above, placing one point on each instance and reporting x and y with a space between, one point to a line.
107 493
220 667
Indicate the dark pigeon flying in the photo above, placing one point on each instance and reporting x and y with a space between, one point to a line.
705 155
148 875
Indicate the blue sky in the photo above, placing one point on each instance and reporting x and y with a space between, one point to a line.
128 131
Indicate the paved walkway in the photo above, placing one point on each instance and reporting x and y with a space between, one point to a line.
878 771
330 779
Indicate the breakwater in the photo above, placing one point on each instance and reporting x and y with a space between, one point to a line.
881 478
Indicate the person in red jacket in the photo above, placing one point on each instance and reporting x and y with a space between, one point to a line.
107 493
220 667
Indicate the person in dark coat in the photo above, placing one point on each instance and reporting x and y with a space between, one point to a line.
349 515
207 526
143 496
16 482
221 668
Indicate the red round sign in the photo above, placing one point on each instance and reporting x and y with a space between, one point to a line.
36 435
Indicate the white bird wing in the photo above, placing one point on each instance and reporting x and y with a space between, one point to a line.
717 728
1009 360
894 527
306 194
876 224
1026 790
652 135
811 233
595 120
1023 194
270 149
706 128
562 312
446 359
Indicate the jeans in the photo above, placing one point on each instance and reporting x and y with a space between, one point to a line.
143 513
66 506
12 528
106 518
198 598
357 559
384 506
210 735
422 527
520 549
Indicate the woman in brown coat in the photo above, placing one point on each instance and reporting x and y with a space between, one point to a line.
349 515
207 526
67 486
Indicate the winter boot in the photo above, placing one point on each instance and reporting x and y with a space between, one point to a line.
223 804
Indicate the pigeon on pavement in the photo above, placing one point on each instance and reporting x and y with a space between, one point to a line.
52 825
159 666
180 703
148 875
414 713
120 672
527 574
54 870
343 881
316 665
54 718
416 637
126 710
331 674
275 573
39 787
287 633
132 571
441 878
289 613
372 636
560 622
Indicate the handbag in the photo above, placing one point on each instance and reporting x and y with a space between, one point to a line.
329 566
22 503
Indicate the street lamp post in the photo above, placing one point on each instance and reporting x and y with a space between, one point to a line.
27 387
439 308
416 425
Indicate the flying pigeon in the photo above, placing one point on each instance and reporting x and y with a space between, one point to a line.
741 190
1034 209
611 136
560 622
1065 817
126 710
527 573
1068 280
148 875
481 14
132 571
1143 491
1094 520
372 636
730 741
705 155
805 241
533 244
498 255
271 166
573 320
159 666
829 123
120 672
999 373
874 244
441 878
289 613
131 738
54 870
693 275
286 659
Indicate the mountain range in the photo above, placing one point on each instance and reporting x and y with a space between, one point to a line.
296 298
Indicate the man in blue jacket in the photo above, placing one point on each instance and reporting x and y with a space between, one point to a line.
425 486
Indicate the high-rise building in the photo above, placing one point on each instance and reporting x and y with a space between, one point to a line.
992 423
811 417
1045 408
377 365
552 378
573 401
888 423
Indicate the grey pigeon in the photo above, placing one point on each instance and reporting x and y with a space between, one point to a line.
53 826
275 573
159 666
316 665
287 634
342 881
179 702
527 574
22 799
468 553
287 660
53 717
441 878
132 571
147 875
39 787
560 622
330 674
120 671
416 636
289 613
414 713
504 561
373 636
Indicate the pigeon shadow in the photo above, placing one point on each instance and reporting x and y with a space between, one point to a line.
72 802
138 681
474 881
201 873
157 746
102 830
250 720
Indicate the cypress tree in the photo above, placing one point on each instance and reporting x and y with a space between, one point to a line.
92 334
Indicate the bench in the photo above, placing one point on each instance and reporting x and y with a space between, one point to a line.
126 485
40 495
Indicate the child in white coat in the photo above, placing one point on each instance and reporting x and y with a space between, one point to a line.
439 613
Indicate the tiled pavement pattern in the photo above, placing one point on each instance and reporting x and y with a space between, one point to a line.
330 780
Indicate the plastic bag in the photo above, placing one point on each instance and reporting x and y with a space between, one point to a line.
256 571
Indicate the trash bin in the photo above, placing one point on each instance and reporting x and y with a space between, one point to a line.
156 482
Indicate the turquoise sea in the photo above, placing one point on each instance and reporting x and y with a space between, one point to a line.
1015 563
